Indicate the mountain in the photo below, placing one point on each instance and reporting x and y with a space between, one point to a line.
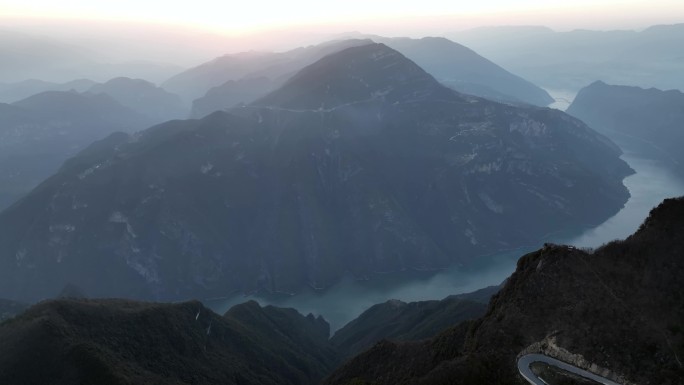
400 321
253 75
365 74
38 133
12 92
231 94
571 60
654 117
361 163
616 310
195 82
78 109
143 97
465 71
124 342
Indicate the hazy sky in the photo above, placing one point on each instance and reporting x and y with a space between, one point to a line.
254 15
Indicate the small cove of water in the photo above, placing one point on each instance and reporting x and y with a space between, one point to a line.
562 98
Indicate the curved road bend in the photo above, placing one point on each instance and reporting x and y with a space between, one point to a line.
524 368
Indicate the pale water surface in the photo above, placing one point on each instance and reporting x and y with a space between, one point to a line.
563 98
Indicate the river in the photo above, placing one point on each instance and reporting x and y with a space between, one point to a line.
652 182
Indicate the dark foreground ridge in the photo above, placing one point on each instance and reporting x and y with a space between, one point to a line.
617 311
124 342
69 341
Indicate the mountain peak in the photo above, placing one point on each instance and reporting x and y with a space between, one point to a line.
354 75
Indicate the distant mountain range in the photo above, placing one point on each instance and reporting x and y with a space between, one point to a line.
570 60
242 78
43 130
278 67
361 162
38 133
144 98
13 92
462 69
615 311
653 117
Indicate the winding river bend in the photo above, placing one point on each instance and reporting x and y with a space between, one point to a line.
653 182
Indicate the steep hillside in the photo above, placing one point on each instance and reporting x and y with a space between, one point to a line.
362 163
124 342
464 70
12 92
38 133
400 321
616 311
232 93
654 117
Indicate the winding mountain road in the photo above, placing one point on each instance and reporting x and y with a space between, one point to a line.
525 361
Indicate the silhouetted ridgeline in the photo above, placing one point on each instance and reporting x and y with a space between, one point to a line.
401 321
619 308
124 342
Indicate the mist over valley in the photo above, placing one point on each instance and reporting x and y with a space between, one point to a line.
343 195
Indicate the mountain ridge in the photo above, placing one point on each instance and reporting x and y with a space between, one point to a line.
266 198
122 342
651 116
625 292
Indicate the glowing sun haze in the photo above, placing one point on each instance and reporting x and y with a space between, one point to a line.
252 15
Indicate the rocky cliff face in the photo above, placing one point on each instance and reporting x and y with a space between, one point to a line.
360 163
616 311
